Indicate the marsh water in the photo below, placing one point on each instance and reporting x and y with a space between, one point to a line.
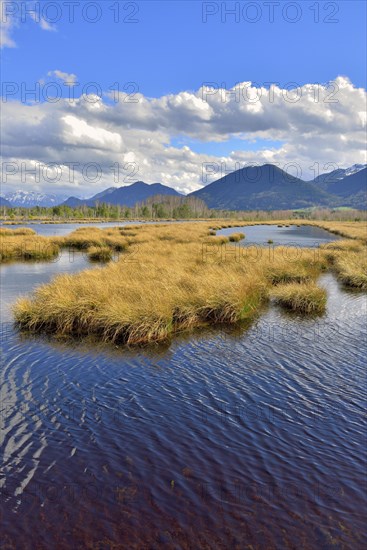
292 235
252 437
60 229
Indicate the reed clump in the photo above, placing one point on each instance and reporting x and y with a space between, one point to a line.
219 239
351 269
302 297
348 258
285 274
27 247
87 237
100 254
236 237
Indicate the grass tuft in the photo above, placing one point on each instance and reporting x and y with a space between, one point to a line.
303 298
352 269
236 237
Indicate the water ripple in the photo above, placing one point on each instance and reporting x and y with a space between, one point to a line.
228 438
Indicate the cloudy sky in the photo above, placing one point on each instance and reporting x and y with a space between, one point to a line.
100 94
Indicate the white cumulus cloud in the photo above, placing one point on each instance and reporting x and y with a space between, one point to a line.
321 124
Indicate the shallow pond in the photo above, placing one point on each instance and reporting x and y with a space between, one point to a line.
60 229
241 438
303 236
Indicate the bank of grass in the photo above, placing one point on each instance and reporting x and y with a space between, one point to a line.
350 230
136 304
304 297
172 280
86 237
351 269
348 259
347 245
4 232
25 245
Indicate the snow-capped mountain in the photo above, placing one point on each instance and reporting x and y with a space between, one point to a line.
335 175
354 169
4 202
28 199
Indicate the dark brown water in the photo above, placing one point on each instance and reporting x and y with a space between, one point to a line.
252 438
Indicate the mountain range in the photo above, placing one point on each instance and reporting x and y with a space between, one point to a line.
4 202
324 180
264 187
125 196
268 187
29 199
349 185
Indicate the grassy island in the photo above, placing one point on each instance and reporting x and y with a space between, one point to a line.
172 278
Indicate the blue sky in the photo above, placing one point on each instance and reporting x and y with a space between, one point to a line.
171 49
176 46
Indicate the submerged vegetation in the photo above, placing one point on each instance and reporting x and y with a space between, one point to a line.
169 278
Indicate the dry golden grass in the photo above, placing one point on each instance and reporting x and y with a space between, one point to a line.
86 237
27 246
175 278
348 245
146 302
285 273
352 269
351 230
349 260
302 297
100 253
218 240
16 232
236 237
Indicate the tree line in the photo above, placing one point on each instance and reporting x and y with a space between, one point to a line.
173 207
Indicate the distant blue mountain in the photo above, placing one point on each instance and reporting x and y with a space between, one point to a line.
124 196
264 187
270 188
29 199
350 189
4 202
